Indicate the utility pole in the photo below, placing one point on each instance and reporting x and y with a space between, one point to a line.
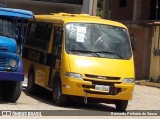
89 7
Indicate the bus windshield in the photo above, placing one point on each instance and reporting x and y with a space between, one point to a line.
97 40
7 28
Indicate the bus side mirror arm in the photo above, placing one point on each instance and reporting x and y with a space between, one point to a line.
133 42
59 51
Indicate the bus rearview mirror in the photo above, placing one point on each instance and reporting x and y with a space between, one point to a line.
133 42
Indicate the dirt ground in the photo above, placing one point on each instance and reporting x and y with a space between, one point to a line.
144 98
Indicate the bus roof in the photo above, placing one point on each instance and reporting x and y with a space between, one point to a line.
9 12
66 18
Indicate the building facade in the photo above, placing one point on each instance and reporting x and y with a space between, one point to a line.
55 6
141 17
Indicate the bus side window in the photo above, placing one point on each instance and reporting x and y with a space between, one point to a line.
57 42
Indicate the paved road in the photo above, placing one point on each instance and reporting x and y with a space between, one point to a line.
144 98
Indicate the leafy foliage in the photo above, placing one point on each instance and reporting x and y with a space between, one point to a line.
99 8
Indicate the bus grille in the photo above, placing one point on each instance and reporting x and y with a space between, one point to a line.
113 90
2 61
4 49
102 77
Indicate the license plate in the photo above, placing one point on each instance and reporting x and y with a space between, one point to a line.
102 88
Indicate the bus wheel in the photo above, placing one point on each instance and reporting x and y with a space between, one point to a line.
11 90
31 87
121 105
58 98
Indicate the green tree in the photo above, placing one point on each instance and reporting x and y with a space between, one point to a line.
99 8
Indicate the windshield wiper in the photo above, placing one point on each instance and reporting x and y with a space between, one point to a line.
84 51
110 53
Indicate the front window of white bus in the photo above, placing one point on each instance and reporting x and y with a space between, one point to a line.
98 40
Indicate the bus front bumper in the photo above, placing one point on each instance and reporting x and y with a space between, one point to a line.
11 76
76 87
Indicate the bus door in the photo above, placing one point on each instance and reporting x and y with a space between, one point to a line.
56 52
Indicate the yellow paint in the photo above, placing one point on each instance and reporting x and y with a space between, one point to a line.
84 65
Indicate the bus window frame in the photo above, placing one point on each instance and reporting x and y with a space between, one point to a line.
36 39
55 58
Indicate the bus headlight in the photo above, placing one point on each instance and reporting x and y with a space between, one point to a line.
13 63
128 80
74 75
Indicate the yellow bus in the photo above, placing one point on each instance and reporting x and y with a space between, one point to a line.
81 56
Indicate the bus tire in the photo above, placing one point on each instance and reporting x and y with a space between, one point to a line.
121 105
31 87
11 90
58 98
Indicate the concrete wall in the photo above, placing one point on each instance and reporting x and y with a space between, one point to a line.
89 7
38 7
122 13
44 7
141 10
135 10
118 13
145 12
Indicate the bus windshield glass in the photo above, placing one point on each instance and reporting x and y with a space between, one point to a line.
97 40
7 28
